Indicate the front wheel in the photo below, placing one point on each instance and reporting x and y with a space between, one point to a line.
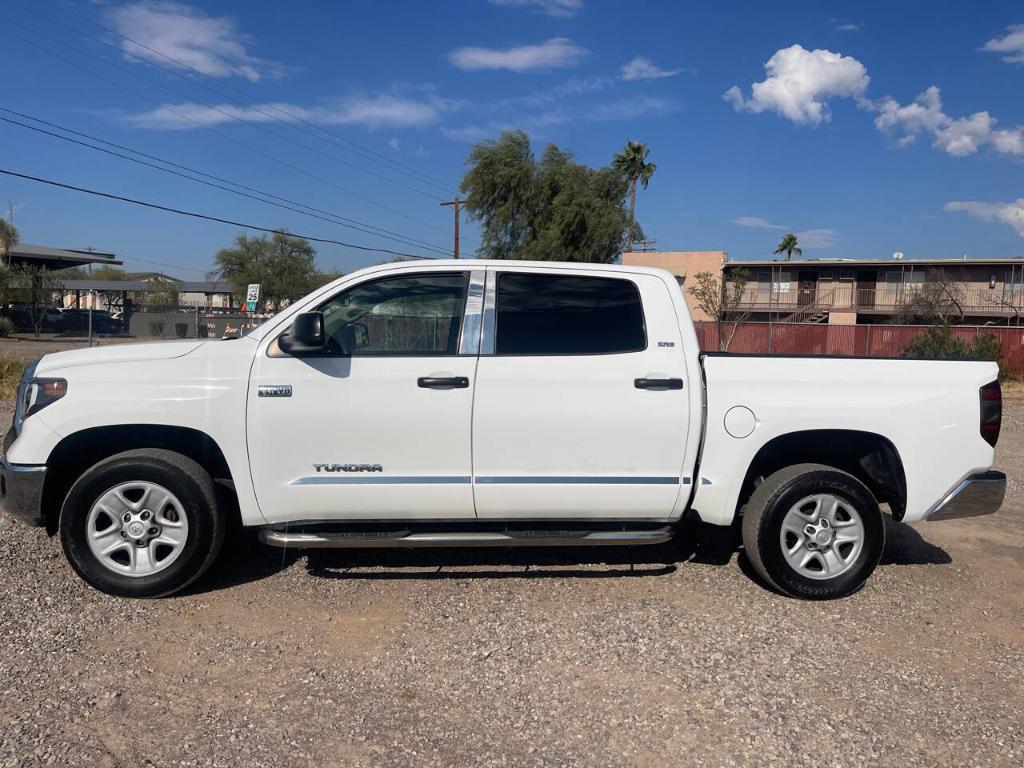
813 532
143 523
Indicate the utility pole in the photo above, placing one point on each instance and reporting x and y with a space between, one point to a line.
455 204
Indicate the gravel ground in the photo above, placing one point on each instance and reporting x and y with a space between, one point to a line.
646 657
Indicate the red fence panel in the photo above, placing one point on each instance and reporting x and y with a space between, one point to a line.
848 340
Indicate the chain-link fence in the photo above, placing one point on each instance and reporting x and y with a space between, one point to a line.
86 326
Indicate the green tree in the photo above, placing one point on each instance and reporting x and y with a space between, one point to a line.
788 245
632 163
939 343
283 265
722 301
552 210
107 272
8 238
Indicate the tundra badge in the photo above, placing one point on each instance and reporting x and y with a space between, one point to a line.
275 390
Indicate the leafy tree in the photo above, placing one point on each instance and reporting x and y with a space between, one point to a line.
283 265
632 163
722 302
8 238
788 245
938 343
552 210
107 272
34 286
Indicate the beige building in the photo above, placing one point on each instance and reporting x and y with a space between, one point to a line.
849 291
684 265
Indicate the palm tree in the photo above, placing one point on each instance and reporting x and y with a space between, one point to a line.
788 246
8 238
632 163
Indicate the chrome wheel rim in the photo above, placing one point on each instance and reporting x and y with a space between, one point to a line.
822 536
137 528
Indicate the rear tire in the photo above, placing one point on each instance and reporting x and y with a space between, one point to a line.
813 532
143 523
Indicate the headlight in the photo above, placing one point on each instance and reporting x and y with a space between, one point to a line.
34 394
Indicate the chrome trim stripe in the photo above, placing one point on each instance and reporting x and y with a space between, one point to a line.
381 480
576 480
469 341
487 333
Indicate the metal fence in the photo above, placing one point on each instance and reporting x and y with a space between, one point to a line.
849 340
85 327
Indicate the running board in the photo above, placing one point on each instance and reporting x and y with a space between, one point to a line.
542 538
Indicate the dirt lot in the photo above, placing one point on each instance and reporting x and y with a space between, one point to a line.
648 658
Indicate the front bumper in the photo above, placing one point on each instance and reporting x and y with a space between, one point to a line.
979 494
21 490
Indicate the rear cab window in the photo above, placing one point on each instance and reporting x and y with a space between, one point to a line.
545 314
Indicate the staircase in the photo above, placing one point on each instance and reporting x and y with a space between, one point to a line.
815 312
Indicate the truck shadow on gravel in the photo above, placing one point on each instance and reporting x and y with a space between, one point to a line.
246 560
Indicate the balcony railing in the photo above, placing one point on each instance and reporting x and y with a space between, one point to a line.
885 299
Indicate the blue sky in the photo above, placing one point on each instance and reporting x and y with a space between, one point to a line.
866 128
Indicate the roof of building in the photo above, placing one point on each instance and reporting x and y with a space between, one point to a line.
144 286
57 258
870 262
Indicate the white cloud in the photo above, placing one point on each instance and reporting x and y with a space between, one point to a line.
849 26
370 112
1011 44
800 82
212 45
558 8
642 68
756 221
958 136
395 144
556 53
1011 213
817 239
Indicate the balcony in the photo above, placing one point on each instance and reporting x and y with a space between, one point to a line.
886 300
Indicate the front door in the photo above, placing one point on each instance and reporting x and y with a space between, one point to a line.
581 397
378 426
808 288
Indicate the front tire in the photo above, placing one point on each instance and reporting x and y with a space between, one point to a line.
143 523
813 532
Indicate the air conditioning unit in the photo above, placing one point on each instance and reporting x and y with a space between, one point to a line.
897 255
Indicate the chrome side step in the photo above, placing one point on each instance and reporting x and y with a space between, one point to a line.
542 538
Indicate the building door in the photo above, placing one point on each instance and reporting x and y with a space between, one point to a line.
866 282
808 288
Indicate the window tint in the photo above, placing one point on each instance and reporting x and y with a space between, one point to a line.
554 315
409 315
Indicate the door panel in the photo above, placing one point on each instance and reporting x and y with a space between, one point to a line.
379 427
572 435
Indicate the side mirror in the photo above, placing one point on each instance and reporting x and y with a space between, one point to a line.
354 336
306 334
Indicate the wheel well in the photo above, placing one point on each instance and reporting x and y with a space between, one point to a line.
77 452
868 456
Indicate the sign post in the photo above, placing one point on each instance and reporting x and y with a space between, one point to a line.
252 297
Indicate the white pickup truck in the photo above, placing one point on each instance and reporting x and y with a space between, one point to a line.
473 403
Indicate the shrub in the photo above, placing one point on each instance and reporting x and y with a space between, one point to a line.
6 327
939 343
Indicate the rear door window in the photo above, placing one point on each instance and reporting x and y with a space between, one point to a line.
543 314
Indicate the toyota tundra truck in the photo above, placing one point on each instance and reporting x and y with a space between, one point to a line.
490 403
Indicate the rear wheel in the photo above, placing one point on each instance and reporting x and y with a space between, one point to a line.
813 531
142 523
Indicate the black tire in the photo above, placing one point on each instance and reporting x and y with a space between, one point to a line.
180 475
763 517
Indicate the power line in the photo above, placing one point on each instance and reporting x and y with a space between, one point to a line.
328 217
203 126
321 133
204 216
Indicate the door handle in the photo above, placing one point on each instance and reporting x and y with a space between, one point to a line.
658 383
442 382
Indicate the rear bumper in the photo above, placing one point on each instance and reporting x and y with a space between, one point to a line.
978 494
21 491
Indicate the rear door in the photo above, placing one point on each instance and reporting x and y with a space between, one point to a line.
581 407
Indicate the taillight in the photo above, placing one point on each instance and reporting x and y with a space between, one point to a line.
991 411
